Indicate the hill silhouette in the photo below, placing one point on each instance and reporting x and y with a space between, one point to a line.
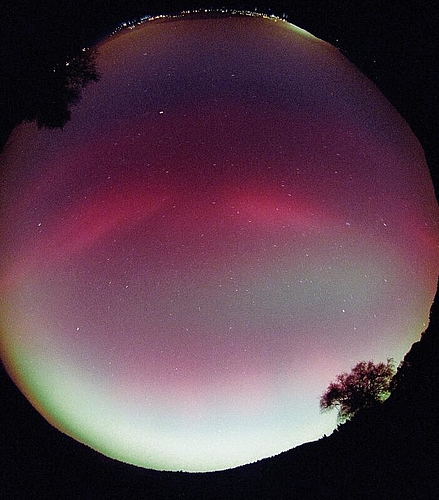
388 451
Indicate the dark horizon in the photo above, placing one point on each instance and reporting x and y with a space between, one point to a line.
408 82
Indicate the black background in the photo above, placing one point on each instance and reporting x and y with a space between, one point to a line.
394 43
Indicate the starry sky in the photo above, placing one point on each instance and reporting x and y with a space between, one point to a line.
233 216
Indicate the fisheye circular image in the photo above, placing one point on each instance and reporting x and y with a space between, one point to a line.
232 215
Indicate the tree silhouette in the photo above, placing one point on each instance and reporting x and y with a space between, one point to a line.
366 385
62 88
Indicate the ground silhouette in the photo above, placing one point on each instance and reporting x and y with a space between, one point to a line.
386 451
389 451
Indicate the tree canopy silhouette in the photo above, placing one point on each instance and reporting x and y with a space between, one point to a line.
366 385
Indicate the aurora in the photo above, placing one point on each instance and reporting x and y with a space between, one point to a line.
233 215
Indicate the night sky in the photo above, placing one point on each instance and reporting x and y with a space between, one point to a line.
233 216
